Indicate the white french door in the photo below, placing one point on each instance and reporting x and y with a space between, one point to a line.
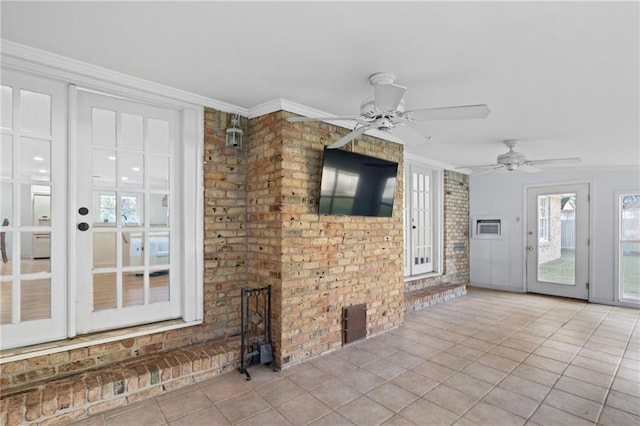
124 237
33 197
558 240
419 229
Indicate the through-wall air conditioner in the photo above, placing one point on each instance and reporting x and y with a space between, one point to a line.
487 227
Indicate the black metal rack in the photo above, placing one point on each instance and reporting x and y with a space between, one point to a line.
256 329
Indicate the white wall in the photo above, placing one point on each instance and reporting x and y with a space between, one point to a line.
500 263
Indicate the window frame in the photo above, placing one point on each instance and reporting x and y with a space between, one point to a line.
619 251
543 220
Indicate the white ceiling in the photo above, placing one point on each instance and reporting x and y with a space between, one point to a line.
561 76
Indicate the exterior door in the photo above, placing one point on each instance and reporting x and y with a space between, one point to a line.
419 223
558 240
33 212
124 238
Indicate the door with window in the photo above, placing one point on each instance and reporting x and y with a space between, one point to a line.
33 184
419 229
124 214
628 246
558 240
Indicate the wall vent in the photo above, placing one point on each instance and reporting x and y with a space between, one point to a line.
354 323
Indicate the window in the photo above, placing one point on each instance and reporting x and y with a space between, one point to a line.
422 213
628 247
543 219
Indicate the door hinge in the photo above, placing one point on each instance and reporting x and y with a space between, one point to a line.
587 285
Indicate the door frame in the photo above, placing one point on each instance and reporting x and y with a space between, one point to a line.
590 227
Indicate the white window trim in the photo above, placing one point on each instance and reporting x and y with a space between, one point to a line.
22 58
437 196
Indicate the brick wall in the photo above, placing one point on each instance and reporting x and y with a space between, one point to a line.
317 264
456 235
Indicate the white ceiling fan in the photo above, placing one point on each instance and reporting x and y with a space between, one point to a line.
513 160
386 110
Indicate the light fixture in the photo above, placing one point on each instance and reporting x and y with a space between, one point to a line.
234 133
38 159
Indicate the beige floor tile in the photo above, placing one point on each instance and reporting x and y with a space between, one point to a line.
242 407
554 354
487 414
469 385
364 411
229 386
485 373
561 346
415 383
595 365
465 352
480 345
404 359
614 417
331 419
573 404
309 377
333 365
361 380
278 392
509 353
335 394
497 362
434 371
183 403
423 412
599 356
450 360
544 377
450 399
385 368
357 356
629 374
519 344
207 416
303 409
147 415
589 376
270 417
626 386
421 351
517 404
398 420
545 363
391 396
583 389
95 420
550 416
624 402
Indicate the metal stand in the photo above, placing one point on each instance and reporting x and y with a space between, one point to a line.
256 329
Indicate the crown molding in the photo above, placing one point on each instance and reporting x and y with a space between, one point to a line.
25 58
281 104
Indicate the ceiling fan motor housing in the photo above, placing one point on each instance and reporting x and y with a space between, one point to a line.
512 160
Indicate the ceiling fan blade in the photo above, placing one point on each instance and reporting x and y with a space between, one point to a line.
349 137
303 119
553 161
388 96
409 135
527 168
484 172
482 166
464 112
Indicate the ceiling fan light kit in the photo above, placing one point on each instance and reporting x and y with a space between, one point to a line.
385 111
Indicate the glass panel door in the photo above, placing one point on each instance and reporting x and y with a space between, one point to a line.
124 252
33 295
421 228
558 240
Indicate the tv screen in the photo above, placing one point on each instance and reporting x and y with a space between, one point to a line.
356 184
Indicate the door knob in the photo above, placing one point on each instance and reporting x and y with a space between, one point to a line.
83 226
83 211
530 248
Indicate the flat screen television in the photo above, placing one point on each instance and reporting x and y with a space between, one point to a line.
356 184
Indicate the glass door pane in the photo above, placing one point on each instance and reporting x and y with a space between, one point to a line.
557 238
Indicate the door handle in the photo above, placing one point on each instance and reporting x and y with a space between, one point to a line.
83 226
530 248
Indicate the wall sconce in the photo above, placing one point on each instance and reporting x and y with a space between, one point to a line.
234 133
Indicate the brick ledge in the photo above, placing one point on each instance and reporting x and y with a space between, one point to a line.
77 396
418 299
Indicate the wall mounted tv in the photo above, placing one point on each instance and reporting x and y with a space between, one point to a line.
356 184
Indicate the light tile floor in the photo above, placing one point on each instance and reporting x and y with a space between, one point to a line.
488 358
